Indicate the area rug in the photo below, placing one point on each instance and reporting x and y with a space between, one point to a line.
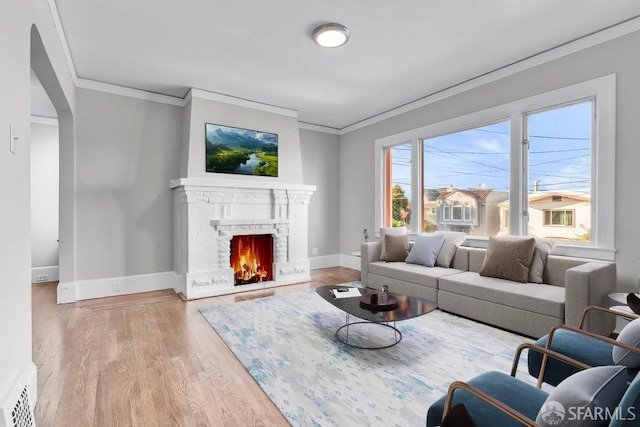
288 344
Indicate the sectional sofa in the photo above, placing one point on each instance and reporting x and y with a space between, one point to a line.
569 285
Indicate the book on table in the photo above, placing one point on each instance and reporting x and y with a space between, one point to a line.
346 292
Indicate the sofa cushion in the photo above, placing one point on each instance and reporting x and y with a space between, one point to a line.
452 240
425 249
389 230
411 273
397 247
508 257
538 298
540 254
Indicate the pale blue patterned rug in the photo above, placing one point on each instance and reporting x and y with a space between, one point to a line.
287 344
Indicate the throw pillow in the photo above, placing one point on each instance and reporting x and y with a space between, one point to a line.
389 230
425 249
630 334
452 239
540 254
397 247
594 389
508 257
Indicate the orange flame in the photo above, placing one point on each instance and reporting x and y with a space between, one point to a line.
251 258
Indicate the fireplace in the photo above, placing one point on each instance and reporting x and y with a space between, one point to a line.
252 258
213 216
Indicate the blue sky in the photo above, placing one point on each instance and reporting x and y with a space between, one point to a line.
559 155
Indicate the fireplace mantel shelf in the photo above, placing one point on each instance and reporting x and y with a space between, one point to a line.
215 222
224 183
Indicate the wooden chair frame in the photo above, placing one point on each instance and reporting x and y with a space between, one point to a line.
579 330
514 367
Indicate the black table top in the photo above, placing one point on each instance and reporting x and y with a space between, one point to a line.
408 306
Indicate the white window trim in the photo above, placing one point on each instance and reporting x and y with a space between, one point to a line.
602 89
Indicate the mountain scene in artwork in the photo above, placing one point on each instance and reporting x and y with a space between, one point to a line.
241 151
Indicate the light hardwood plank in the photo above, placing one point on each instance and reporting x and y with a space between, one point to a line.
146 360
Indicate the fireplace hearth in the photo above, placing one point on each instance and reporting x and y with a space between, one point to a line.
213 217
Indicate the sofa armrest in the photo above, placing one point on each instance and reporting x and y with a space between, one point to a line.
585 285
369 252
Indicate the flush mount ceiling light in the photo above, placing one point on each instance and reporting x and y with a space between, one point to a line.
331 35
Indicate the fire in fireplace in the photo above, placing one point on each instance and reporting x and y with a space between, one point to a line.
252 258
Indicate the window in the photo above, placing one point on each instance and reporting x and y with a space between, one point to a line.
398 186
433 211
563 218
467 212
523 168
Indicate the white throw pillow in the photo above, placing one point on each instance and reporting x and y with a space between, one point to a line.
390 231
425 249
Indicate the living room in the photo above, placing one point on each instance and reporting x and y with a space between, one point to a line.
120 148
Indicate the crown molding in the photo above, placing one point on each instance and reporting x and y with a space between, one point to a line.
241 102
319 128
130 92
63 41
557 52
44 120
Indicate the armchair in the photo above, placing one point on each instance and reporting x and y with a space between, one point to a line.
578 344
598 395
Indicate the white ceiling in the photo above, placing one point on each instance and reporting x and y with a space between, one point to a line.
399 51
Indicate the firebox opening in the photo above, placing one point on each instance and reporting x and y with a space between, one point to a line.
252 258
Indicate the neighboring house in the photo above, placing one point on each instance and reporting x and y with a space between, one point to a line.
472 211
556 215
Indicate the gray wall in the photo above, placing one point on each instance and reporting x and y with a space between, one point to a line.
44 195
617 56
127 152
320 160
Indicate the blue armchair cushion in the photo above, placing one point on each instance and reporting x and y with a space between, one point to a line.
425 249
580 347
630 334
517 394
627 414
576 400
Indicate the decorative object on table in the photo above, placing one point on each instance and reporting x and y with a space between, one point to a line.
372 302
383 296
634 302
241 151
286 343
346 292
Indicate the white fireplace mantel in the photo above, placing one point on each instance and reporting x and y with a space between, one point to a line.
207 212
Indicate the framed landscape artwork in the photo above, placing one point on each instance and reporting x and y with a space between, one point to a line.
241 151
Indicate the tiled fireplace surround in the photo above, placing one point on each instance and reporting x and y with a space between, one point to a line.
209 212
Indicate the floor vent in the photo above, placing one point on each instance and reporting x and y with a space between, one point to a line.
21 414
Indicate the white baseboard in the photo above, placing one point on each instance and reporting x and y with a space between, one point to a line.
324 261
350 261
28 379
109 287
49 273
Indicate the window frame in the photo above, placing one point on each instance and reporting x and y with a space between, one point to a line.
550 212
601 90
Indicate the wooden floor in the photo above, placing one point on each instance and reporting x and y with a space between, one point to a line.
146 360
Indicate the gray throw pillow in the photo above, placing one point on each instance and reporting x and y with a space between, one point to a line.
540 254
508 257
389 230
426 248
595 389
452 239
397 247
630 334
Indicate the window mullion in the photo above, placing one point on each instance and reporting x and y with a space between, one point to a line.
416 187
517 177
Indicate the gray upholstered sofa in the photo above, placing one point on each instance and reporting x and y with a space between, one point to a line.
570 285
